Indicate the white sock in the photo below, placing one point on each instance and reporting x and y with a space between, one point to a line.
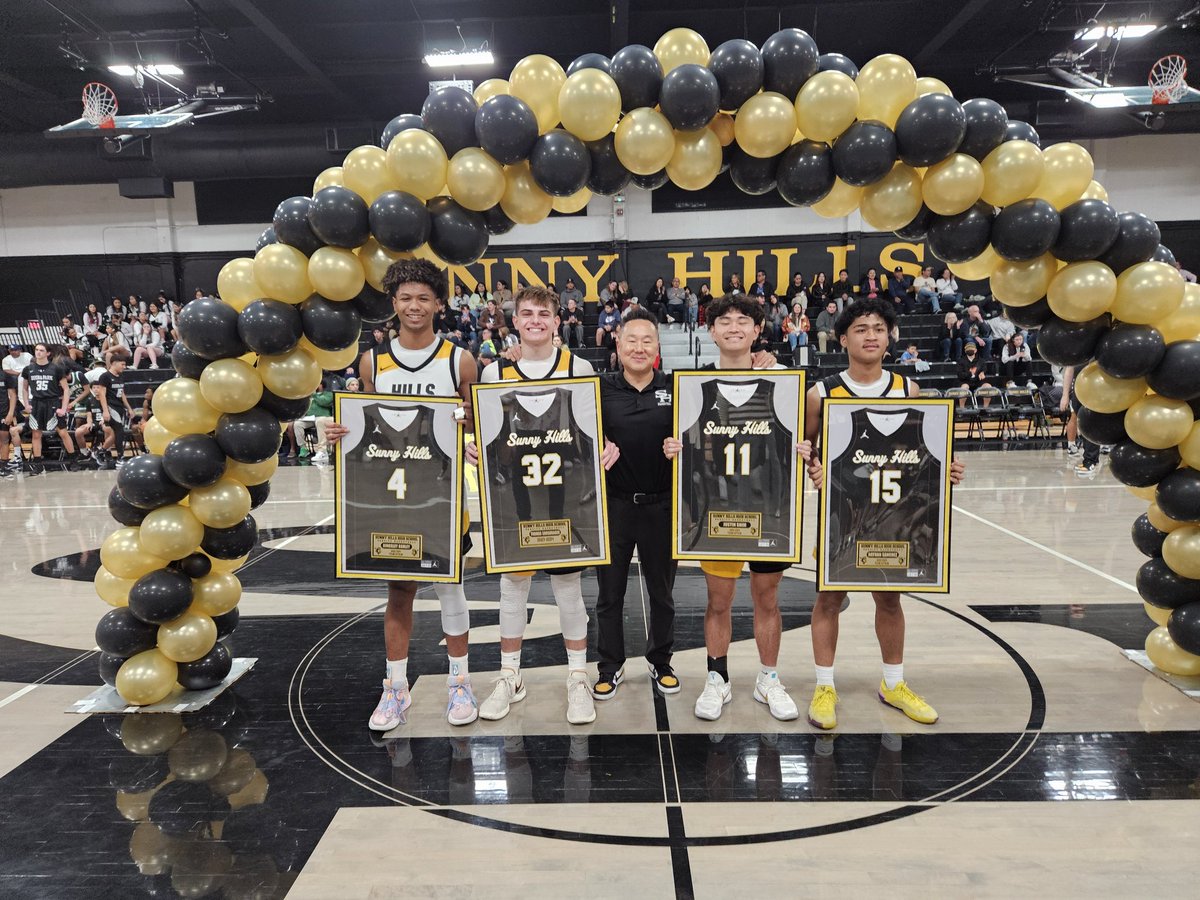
576 659
397 671
824 675
893 675
458 666
511 660
769 672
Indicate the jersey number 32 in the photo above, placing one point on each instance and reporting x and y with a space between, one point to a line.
542 469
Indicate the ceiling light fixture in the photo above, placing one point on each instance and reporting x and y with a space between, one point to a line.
1118 32
127 71
154 69
450 58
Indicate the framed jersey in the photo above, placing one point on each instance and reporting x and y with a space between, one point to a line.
738 492
398 488
885 508
541 484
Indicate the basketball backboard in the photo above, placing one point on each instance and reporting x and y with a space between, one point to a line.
1136 98
136 126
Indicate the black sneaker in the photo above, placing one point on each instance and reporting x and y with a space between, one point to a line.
71 464
105 462
665 680
6 472
606 685
36 467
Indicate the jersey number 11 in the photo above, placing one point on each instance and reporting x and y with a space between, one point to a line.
732 452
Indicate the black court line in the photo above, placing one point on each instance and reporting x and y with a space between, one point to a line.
681 865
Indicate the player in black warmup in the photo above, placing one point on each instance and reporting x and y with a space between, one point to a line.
46 396
115 413
8 416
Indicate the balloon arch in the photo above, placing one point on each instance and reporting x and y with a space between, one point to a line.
979 188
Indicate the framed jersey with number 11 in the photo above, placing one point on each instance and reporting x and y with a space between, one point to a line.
398 488
885 507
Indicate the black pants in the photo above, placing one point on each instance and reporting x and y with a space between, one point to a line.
648 528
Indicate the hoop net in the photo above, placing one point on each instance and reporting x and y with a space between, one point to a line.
99 104
1168 79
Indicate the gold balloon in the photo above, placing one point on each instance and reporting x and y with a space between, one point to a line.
254 793
764 126
1148 293
216 593
336 273
236 284
151 735
376 259
220 505
886 85
841 201
893 201
187 638
1012 172
1157 616
1181 551
696 160
365 171
979 267
722 127
953 185
230 385
589 104
282 272
171 532
1189 449
1184 323
180 407
679 46
124 556
146 678
330 360
239 768
199 755
1100 392
524 201
149 848
537 79
1169 656
155 436
574 203
1067 174
331 177
1023 283
1161 520
827 105
1095 191
645 141
417 163
1143 493
1081 291
493 87
475 179
226 566
1154 421
927 84
251 473
290 375
112 590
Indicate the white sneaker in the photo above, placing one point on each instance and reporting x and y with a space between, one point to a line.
509 689
1031 385
769 689
320 459
581 708
713 698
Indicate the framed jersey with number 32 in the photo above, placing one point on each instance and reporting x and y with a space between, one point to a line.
541 484
885 506
398 488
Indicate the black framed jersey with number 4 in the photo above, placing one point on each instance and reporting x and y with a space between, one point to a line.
398 484
885 506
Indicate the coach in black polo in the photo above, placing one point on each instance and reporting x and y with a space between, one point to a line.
637 407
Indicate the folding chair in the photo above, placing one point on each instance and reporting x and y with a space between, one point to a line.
967 412
995 412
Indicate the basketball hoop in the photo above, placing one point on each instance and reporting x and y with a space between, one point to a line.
99 104
1168 80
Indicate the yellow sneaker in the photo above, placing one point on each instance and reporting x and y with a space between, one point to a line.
904 699
822 711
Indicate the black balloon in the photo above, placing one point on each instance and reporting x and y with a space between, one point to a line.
751 174
590 61
790 58
918 228
209 327
449 115
805 173
1130 351
108 664
266 238
638 75
963 236
208 671
291 225
399 221
1025 230
689 97
144 482
249 437
283 409
227 623
506 128
1184 627
1016 130
1178 374
1139 466
1088 229
1163 254
560 163
231 543
160 596
1105 429
836 62
124 511
338 216
373 306
270 327
930 129
1161 587
195 566
987 123
608 176
193 460
864 153
330 325
259 493
1030 316
497 222
457 235
397 125
653 181
187 363
1147 538
1065 343
1138 237
738 67
123 634
1178 495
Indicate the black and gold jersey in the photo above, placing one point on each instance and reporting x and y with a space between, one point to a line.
429 372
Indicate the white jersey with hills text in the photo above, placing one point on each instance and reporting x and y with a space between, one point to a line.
562 363
430 371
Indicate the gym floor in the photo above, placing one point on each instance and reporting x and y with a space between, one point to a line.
1058 765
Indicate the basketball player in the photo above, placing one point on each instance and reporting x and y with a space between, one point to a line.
110 393
735 321
863 330
419 363
537 322
8 418
46 396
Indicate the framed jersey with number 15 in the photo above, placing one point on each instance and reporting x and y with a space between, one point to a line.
885 507
398 488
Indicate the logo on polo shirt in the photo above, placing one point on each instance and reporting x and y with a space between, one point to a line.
663 397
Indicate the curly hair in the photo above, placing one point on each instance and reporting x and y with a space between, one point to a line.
728 303
865 307
415 271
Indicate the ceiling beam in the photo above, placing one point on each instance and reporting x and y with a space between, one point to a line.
950 29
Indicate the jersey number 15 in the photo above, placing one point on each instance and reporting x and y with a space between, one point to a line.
885 486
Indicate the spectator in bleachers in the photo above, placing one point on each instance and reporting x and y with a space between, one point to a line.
796 326
136 304
761 287
900 291
572 323
910 355
459 300
978 332
947 289
925 290
199 294
676 303
319 415
115 345
691 307
116 310
820 292
826 331
16 361
571 292
870 287
502 295
656 300
735 285
149 345
842 287
776 314
159 321
353 386
950 338
464 329
506 339
173 314
606 325
77 347
609 292
1016 362
487 344
443 318
623 296
491 317
797 290
92 325
972 373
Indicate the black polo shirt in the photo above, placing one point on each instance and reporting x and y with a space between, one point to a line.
638 422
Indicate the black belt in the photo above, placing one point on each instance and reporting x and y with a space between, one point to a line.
640 499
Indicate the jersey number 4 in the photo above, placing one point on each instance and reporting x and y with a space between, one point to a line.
542 469
397 484
732 452
885 486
